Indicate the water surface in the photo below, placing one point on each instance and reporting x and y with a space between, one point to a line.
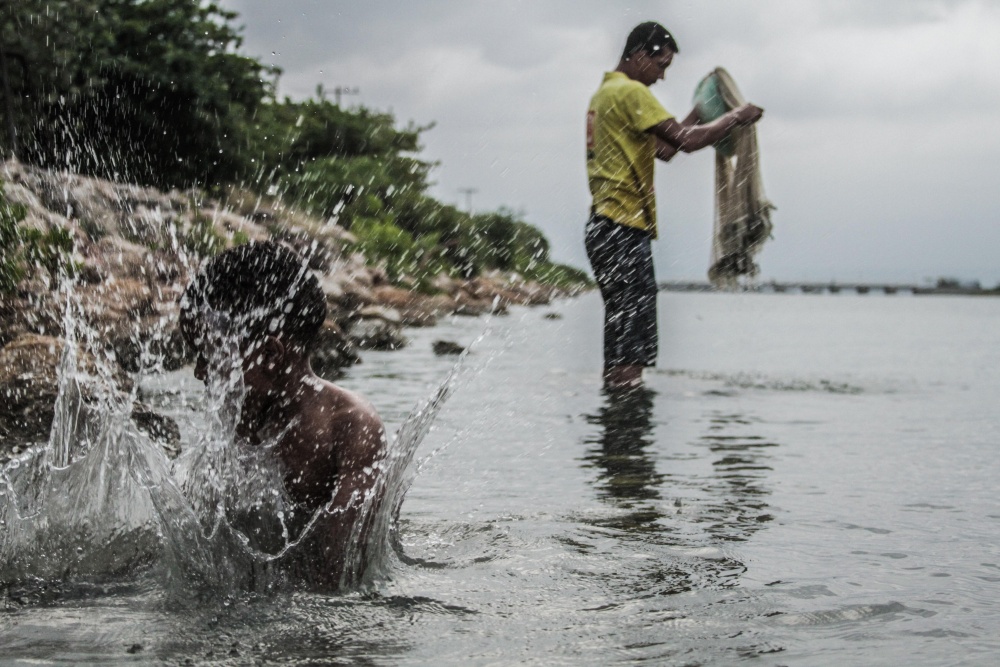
806 480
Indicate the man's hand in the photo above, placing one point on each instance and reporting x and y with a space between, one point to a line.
689 138
748 114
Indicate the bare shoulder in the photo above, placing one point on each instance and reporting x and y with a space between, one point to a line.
354 427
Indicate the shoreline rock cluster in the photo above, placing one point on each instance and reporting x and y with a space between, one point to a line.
134 250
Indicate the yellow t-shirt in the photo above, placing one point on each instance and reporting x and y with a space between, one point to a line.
620 151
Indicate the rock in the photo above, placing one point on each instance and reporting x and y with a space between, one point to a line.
332 287
472 306
113 256
415 309
536 295
132 317
10 310
553 316
229 223
36 311
354 297
124 298
379 276
445 284
393 297
133 265
318 252
425 311
28 388
376 328
333 352
445 347
146 225
98 208
390 315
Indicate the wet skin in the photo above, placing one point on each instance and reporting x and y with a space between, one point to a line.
330 441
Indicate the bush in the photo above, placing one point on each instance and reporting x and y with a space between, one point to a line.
202 239
559 275
24 251
11 261
51 250
418 259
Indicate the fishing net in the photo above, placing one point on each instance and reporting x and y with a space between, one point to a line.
742 210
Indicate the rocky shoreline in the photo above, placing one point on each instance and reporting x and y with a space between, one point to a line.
133 251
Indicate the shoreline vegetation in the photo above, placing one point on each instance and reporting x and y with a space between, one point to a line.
125 253
139 141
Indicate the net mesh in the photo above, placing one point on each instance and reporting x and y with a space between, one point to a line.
742 210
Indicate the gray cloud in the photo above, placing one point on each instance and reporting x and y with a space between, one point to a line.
878 142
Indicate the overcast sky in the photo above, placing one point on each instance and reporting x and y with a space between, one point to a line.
879 141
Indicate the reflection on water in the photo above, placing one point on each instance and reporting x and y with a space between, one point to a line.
677 504
624 450
740 463
627 472
679 507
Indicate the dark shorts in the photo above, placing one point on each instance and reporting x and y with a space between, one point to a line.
622 260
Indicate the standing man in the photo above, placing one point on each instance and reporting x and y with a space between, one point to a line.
627 128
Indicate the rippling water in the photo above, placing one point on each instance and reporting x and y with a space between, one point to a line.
807 480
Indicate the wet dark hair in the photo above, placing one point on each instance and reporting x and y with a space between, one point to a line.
258 289
650 37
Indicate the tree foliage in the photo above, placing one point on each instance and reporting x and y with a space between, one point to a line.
142 90
154 92
334 162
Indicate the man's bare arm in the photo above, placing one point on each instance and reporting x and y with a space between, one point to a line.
692 137
691 118
664 150
359 456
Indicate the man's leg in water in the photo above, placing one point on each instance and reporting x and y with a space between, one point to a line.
623 377
621 258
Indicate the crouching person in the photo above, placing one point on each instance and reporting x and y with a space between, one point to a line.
329 442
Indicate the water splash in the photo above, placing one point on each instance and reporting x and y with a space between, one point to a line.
72 507
101 500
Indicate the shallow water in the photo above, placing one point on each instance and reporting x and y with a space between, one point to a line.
809 480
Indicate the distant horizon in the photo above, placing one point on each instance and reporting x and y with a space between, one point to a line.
926 283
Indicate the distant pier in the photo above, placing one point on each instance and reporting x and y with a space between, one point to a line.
774 287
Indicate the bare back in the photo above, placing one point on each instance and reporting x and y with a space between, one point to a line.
332 452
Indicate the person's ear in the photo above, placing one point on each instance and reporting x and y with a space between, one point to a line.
273 351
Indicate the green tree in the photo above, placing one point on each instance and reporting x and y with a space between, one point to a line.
335 162
154 91
150 91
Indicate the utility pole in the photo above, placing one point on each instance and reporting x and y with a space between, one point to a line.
468 192
343 90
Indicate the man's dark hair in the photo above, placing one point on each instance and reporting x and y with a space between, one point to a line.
260 289
650 37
